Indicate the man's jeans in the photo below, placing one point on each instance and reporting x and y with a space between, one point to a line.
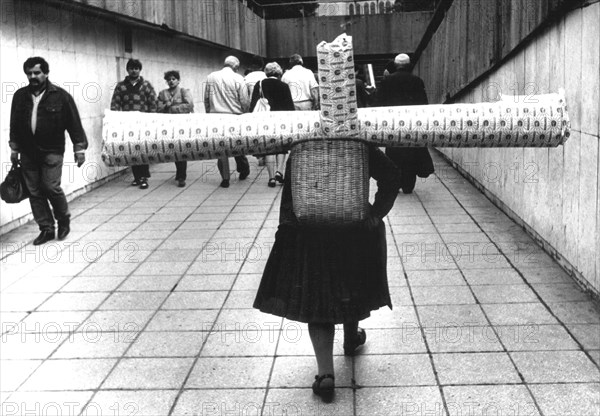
42 177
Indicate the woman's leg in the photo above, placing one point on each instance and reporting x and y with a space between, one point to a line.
321 336
281 163
350 330
270 162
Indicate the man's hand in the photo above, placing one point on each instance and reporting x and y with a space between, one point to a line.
80 159
14 157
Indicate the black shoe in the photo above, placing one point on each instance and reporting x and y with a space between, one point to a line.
351 345
225 183
181 183
272 183
278 177
44 237
325 392
244 174
63 231
135 183
143 183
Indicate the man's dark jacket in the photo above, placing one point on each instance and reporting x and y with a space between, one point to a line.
404 88
56 113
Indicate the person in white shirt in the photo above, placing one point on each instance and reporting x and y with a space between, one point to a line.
304 87
226 93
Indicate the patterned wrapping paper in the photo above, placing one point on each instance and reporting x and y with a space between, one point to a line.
538 121
337 87
132 138
330 174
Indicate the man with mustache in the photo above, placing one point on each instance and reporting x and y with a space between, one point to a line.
40 114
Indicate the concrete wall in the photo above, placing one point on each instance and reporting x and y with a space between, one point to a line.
554 193
87 57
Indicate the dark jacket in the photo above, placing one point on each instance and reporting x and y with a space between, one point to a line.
276 91
56 113
404 88
139 97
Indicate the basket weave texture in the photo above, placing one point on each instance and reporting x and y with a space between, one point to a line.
330 182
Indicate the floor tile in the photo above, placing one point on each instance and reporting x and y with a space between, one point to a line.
534 337
576 312
442 295
299 372
128 301
141 283
87 344
475 368
435 278
149 373
167 344
519 314
74 301
556 367
137 402
244 342
195 300
568 399
451 315
394 370
489 400
247 402
73 375
46 402
385 401
198 320
292 401
462 338
15 372
191 282
230 372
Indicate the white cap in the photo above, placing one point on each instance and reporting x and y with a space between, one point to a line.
402 60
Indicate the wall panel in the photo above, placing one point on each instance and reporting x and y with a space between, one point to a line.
554 192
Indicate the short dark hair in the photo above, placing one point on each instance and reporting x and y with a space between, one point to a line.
172 73
295 59
257 63
35 60
133 63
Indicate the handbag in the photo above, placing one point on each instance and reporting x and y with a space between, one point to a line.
13 190
262 104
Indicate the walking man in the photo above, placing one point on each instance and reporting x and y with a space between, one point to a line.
134 93
403 88
303 85
40 114
226 93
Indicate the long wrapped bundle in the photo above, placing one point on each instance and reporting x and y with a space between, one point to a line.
132 138
330 175
526 121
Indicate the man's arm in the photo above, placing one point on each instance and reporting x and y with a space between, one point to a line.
74 126
152 100
13 140
243 96
207 93
115 102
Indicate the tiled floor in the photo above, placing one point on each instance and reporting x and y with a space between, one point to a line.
146 309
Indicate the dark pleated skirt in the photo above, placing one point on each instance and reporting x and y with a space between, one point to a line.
317 275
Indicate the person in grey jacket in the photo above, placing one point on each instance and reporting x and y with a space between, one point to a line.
176 100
